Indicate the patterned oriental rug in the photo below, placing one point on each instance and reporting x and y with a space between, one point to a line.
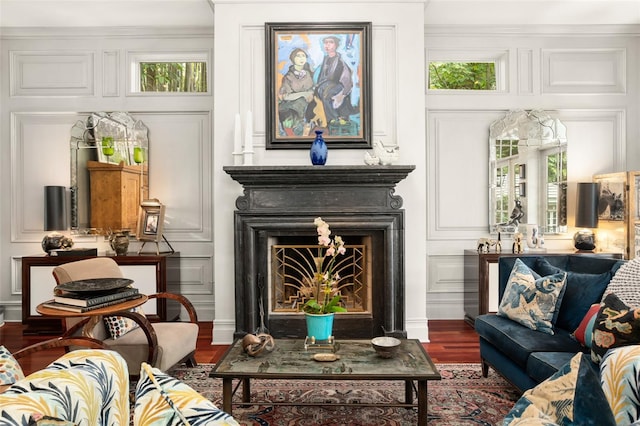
462 397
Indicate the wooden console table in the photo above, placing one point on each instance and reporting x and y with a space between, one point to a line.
149 273
481 279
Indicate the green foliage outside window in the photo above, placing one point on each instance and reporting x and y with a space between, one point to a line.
462 75
173 77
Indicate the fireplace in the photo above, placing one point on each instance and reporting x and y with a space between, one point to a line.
277 210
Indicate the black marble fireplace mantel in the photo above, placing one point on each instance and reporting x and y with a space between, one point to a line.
282 201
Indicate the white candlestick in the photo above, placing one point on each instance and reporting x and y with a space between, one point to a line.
237 142
248 140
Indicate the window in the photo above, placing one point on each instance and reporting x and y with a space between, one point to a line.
462 76
555 163
169 73
467 71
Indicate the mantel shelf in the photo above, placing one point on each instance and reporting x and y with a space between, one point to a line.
259 176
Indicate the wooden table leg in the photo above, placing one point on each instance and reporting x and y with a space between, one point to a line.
227 394
408 391
87 329
422 402
246 390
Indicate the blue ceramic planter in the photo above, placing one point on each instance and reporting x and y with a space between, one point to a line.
319 326
319 150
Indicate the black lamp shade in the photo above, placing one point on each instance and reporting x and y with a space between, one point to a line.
55 211
587 205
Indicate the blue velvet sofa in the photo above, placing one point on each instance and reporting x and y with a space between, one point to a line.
527 357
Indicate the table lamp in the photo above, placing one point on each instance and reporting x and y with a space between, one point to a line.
55 214
586 216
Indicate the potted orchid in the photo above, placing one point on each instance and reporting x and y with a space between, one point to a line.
325 296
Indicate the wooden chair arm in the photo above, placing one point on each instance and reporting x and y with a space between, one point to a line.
59 342
193 316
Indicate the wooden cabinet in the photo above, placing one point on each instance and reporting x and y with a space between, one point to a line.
149 273
116 193
481 279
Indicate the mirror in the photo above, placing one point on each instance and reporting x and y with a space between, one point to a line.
109 173
528 173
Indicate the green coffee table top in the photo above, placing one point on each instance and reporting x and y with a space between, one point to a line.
357 360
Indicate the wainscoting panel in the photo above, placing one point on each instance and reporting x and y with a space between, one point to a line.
451 174
384 84
179 142
32 73
584 71
39 157
525 72
111 73
445 287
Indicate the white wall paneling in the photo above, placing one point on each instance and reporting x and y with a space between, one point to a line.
64 73
180 171
525 75
458 193
584 70
111 73
40 157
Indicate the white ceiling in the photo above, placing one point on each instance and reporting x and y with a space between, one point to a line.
132 13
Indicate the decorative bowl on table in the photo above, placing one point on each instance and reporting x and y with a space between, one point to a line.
386 347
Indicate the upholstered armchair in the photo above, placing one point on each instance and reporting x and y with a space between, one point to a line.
160 344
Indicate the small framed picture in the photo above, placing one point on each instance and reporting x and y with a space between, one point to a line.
150 221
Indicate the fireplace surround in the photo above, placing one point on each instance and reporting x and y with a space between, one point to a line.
279 204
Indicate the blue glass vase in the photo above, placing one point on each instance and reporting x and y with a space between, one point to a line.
319 150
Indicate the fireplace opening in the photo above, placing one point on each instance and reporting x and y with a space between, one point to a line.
294 265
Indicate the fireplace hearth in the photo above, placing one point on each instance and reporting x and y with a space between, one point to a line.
279 205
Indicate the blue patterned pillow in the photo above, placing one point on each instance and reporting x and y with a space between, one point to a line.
572 396
532 302
620 379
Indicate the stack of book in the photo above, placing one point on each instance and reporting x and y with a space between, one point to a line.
87 301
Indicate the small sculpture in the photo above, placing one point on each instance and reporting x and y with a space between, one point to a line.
518 246
384 156
371 160
254 345
484 245
516 214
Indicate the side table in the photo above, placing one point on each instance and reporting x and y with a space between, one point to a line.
95 315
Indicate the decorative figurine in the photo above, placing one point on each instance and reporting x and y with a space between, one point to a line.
518 247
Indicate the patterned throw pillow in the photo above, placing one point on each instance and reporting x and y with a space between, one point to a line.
572 396
616 325
10 370
165 400
532 302
625 283
119 326
620 382
584 332
582 290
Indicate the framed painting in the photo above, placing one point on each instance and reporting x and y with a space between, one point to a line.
612 200
318 78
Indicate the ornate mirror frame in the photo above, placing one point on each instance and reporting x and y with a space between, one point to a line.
528 172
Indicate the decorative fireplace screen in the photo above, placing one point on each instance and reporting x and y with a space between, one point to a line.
293 268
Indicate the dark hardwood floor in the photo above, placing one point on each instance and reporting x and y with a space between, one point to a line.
452 341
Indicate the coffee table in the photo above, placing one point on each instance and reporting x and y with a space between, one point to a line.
357 361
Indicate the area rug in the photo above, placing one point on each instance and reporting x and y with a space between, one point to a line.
462 397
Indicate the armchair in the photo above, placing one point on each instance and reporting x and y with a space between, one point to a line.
160 344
